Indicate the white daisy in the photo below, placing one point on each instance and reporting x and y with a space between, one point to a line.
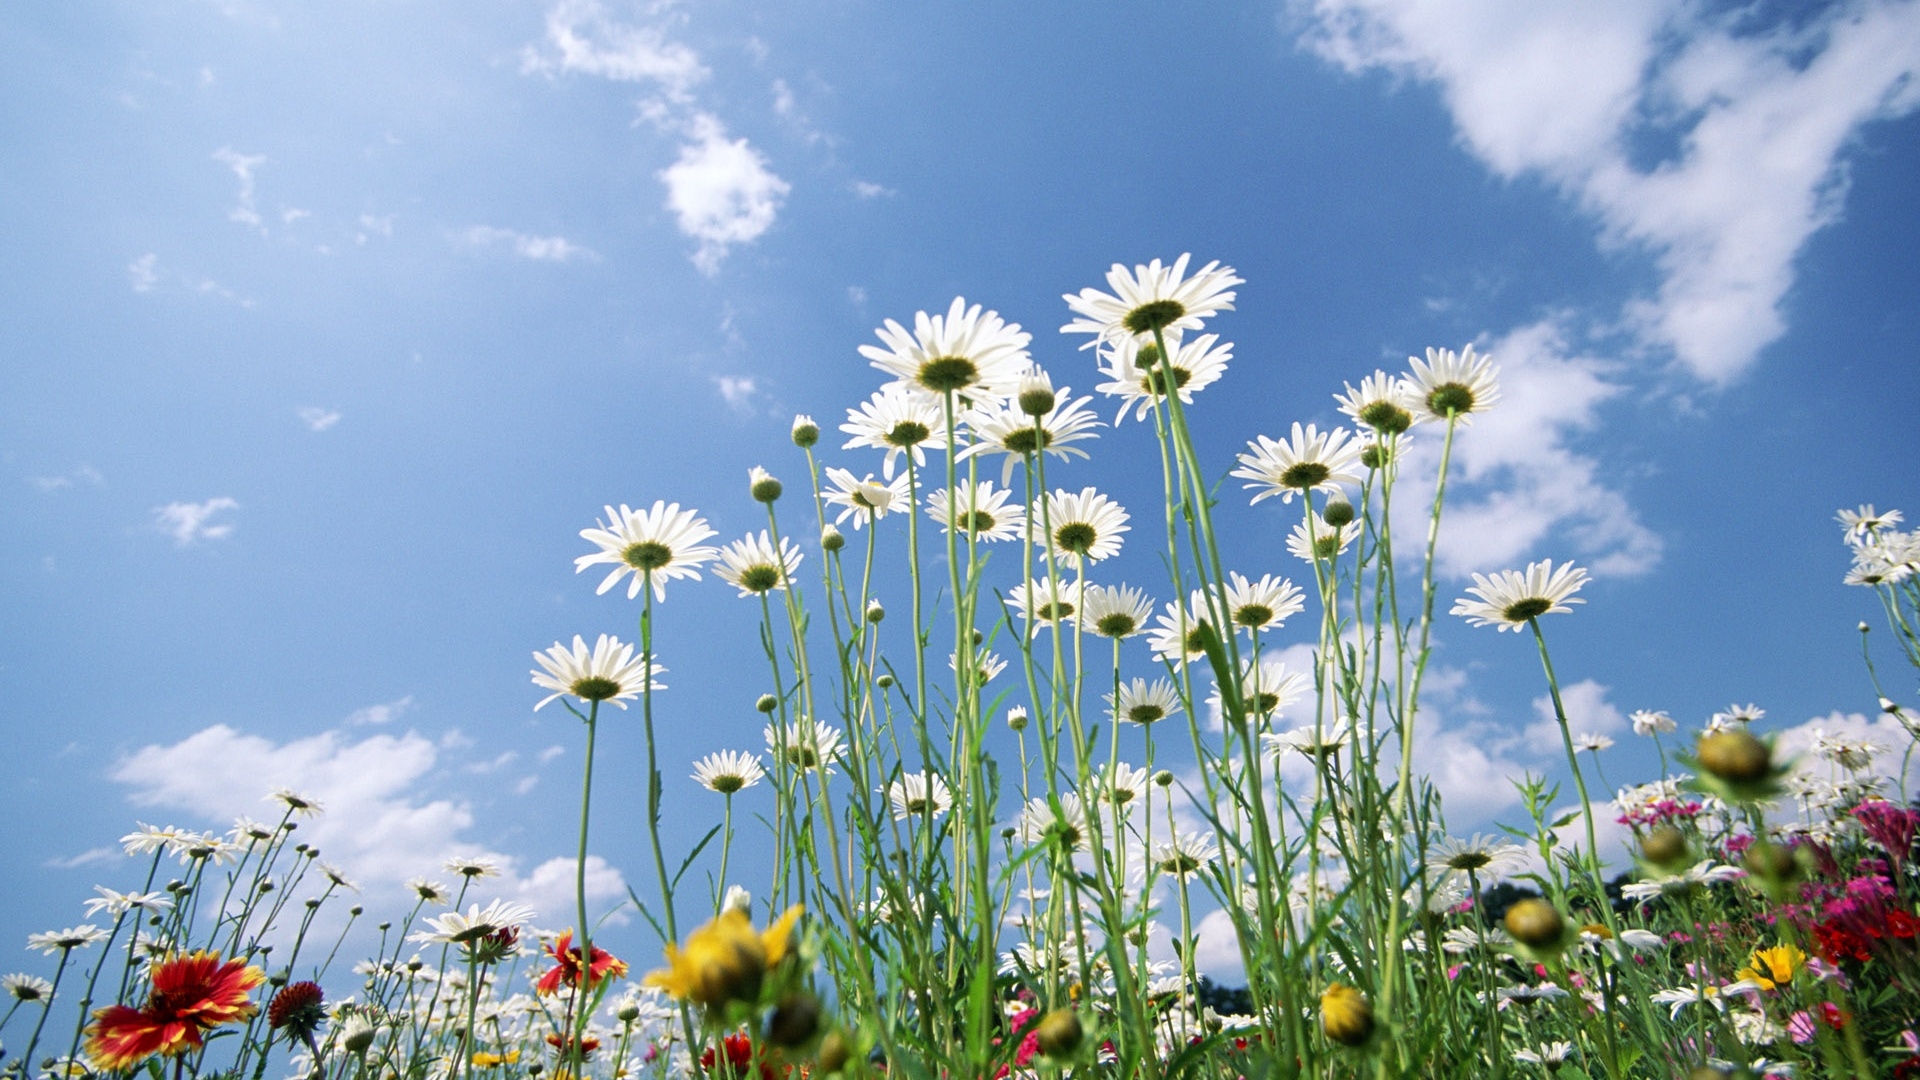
1267 690
752 564
1738 714
1141 702
454 928
1151 297
1700 875
653 545
1308 460
1044 602
1007 430
1451 384
1551 1055
804 744
865 499
1038 821
1863 522
1325 541
1123 786
1136 376
1382 402
895 419
73 937
974 355
1483 856
1682 996
1511 599
986 512
728 771
1651 722
920 794
1080 528
987 666
1176 633
24 987
148 839
1264 604
472 867
1115 611
1593 741
427 891
1185 855
611 672
1306 740
119 903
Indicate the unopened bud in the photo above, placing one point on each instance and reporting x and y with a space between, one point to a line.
1163 778
1735 756
1337 513
1665 846
1036 394
1017 718
805 432
832 539
762 486
766 703
875 611
1536 924
884 681
834 1054
1059 1033
794 1021
1345 1015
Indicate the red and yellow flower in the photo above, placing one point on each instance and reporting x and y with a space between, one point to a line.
566 968
192 994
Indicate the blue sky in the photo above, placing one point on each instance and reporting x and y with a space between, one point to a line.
327 327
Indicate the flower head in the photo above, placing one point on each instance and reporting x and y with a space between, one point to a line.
1138 378
1452 385
653 545
566 966
1045 602
1485 857
896 420
864 499
754 566
73 937
299 1008
972 354
1178 634
804 744
1382 402
978 509
1863 522
1268 689
1308 460
1143 703
1038 822
919 794
1080 528
1115 611
611 672
1511 599
1185 855
1651 722
1151 297
1254 606
725 960
1007 430
1323 542
1774 967
455 928
192 994
728 771
21 987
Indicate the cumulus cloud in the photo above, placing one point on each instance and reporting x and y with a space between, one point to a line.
375 826
1588 713
536 248
318 419
721 192
1759 118
243 166
1885 734
190 523
736 390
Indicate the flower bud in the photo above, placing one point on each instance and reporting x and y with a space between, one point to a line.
356 911
1536 924
1665 847
875 611
627 1014
1373 455
832 539
1036 394
766 703
1058 1033
834 1054
1017 718
794 1021
1338 513
884 681
1163 778
762 485
1735 756
1771 864
357 1036
1345 1015
805 432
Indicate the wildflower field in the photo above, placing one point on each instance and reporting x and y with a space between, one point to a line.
978 845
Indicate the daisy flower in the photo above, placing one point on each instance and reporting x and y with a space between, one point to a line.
1136 376
1185 855
1481 856
295 802
919 794
1264 604
73 937
1682 996
895 419
1700 875
805 744
980 509
1864 521
1176 633
1268 689
1115 611
1308 460
1007 430
728 771
752 565
1038 820
23 987
1452 385
653 545
1325 541
1511 599
1307 740
1044 601
1151 297
1382 402
1081 528
1652 722
472 867
864 499
1142 702
1123 786
456 928
119 903
148 839
430 892
987 665
611 672
973 354
1593 741
1550 1055
1738 714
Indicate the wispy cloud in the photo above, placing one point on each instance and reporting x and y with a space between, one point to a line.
79 474
384 713
89 857
243 165
536 248
736 390
1758 118
866 189
721 190
317 418
143 272
190 523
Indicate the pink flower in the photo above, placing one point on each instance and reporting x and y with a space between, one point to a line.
1800 1027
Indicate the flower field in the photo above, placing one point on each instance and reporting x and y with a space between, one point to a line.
1000 807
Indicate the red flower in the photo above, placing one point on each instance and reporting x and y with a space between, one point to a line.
739 1050
561 1043
1832 1014
192 994
566 968
297 1007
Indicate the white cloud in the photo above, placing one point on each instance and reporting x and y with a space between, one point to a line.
866 189
1883 732
721 192
383 713
89 857
317 418
374 825
79 474
585 41
243 166
371 225
142 272
537 248
188 523
552 752
1573 93
737 390
1588 713
857 296
1518 478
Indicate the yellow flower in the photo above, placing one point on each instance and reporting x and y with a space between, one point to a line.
484 1060
1345 1015
1775 967
725 960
